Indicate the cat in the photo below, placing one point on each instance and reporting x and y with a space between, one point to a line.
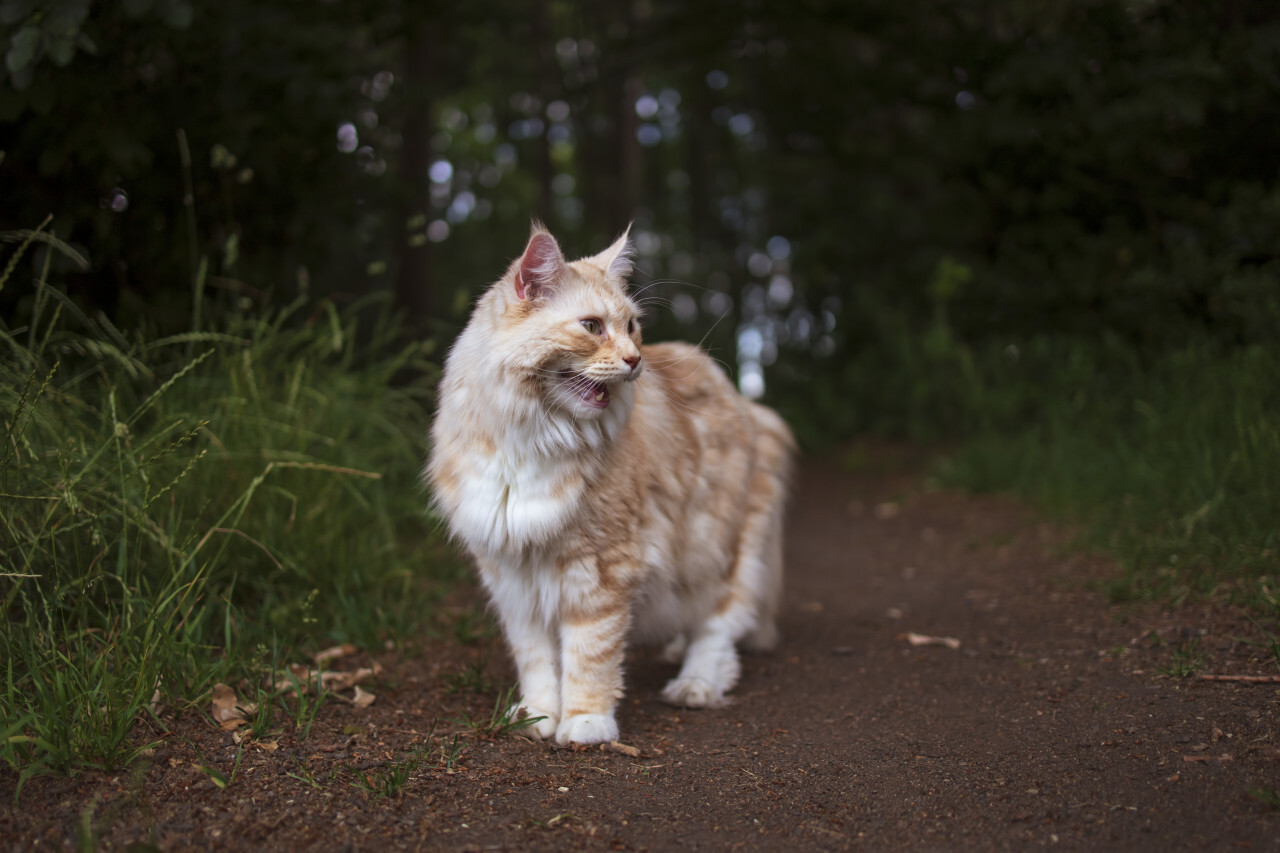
607 490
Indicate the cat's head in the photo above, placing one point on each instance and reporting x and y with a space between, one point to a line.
569 328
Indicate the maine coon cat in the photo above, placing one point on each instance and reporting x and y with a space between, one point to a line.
606 490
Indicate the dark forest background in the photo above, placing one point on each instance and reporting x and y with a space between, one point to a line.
825 183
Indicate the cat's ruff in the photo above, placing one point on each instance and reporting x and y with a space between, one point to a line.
606 490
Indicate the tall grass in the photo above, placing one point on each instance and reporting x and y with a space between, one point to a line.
172 507
1173 464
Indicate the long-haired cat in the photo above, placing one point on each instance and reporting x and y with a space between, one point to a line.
606 489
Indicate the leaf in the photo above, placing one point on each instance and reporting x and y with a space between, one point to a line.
363 698
62 51
23 48
227 709
334 652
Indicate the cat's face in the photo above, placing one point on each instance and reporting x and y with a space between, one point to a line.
574 333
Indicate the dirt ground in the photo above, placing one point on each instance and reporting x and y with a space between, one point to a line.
1055 723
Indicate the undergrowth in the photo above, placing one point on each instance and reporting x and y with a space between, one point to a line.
1172 465
1167 459
171 507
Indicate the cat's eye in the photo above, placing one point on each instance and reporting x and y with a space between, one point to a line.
593 325
631 327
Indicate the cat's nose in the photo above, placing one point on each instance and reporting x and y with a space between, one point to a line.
632 360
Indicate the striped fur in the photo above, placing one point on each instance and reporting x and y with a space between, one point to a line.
607 490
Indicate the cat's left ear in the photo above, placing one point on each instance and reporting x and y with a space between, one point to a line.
616 260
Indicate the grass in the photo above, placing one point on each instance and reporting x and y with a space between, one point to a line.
505 719
171 506
1172 465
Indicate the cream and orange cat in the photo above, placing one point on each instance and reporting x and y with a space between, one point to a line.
606 490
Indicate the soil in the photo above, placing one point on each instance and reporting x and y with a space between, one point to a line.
1059 721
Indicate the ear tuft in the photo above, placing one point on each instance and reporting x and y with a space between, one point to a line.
540 267
617 260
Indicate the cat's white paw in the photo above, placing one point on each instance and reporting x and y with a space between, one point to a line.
544 728
693 693
587 728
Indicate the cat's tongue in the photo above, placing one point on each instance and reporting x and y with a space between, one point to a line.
596 395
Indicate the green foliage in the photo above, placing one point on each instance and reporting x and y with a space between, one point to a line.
1185 660
1173 463
171 504
506 718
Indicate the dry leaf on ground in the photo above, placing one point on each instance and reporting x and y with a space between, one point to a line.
334 652
303 678
227 710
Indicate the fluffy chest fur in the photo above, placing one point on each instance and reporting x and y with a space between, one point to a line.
509 501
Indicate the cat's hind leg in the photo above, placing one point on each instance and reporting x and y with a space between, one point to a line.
710 667
747 611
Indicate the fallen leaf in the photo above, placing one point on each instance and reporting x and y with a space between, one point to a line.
926 640
227 710
304 678
334 652
363 698
1220 758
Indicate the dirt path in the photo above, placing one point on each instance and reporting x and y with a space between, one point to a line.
1050 725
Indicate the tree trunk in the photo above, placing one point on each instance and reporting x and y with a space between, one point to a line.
415 290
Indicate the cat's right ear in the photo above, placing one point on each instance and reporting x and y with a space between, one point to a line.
540 267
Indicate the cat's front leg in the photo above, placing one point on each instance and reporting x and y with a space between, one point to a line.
535 649
592 647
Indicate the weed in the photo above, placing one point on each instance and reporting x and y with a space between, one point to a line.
506 718
306 777
1269 797
308 697
451 754
220 779
1185 660
388 783
471 678
261 718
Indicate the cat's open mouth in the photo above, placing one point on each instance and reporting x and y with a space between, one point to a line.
594 395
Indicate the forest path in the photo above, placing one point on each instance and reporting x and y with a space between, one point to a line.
1049 726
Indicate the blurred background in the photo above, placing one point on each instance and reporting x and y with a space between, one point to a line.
828 193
